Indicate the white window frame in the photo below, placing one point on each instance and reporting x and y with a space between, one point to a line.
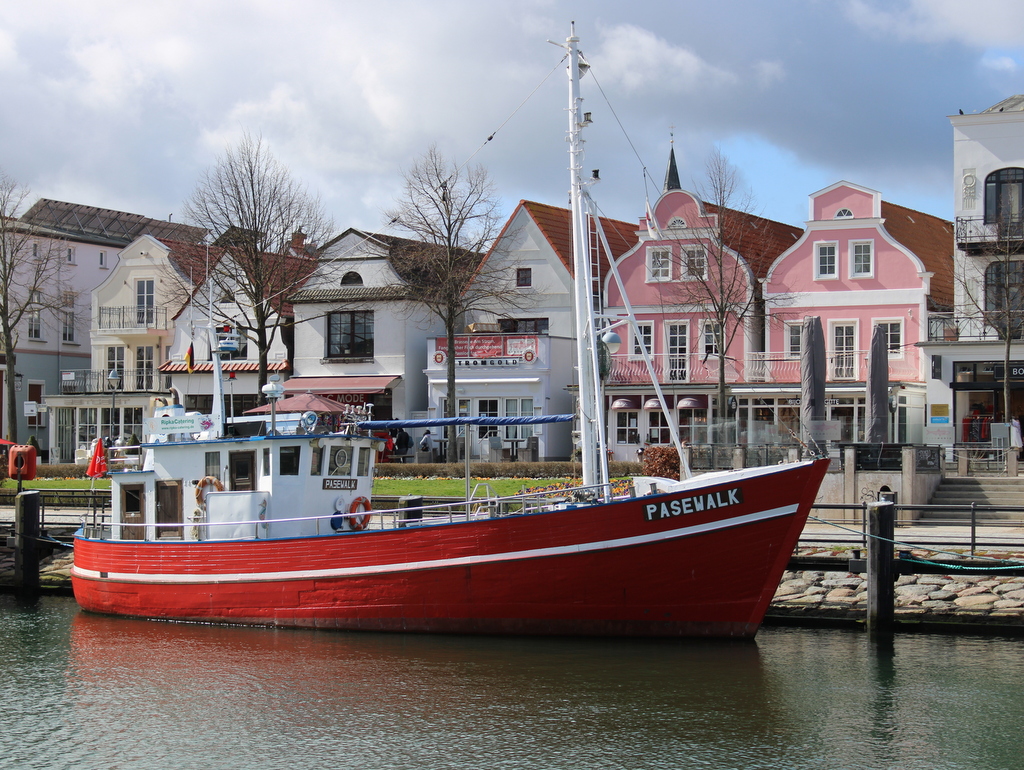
662 271
103 259
35 325
71 255
855 272
818 274
642 335
677 350
709 338
844 360
793 340
694 255
893 344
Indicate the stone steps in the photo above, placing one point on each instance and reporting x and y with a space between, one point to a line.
988 490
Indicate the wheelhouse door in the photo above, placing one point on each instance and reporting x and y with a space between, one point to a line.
133 516
168 509
242 471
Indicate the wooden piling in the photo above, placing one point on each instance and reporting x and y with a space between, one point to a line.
26 542
881 588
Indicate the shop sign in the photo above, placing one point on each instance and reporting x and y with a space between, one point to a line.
488 346
1016 370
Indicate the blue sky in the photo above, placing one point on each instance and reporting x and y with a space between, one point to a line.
124 104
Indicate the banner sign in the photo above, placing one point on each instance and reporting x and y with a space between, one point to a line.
185 423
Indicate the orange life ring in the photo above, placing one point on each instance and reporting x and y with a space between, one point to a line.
201 488
359 523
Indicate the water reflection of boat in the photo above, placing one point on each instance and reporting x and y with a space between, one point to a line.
292 541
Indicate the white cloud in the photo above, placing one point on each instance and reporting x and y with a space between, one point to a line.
977 23
1001 64
639 60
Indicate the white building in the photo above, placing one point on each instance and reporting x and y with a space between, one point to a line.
968 347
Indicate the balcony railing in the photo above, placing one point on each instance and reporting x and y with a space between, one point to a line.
672 369
82 381
974 231
947 327
848 366
133 317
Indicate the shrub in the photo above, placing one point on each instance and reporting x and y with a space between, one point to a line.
661 461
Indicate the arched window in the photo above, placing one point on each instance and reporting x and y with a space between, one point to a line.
1004 297
1004 196
843 214
351 279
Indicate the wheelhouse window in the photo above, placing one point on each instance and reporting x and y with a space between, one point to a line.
288 458
1004 197
825 265
350 334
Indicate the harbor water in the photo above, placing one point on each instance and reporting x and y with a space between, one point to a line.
83 691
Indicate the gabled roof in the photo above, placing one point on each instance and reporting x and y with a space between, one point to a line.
931 239
556 225
103 226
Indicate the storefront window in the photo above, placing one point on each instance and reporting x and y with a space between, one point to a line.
627 427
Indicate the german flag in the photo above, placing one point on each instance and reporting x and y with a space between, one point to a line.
190 358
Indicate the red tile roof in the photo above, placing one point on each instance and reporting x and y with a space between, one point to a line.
556 225
758 240
931 239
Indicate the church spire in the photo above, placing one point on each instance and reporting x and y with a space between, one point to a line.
672 175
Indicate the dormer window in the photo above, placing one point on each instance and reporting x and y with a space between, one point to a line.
843 214
352 279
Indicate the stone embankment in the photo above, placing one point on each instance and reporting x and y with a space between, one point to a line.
54 571
951 598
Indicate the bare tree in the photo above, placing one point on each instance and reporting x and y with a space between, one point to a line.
720 259
266 226
30 262
453 213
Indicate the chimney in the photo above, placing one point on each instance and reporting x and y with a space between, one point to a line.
298 241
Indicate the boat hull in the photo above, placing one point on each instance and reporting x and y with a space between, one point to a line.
704 561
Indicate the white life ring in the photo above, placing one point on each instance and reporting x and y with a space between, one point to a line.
201 486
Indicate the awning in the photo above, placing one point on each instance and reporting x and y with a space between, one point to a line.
626 404
370 383
652 405
693 402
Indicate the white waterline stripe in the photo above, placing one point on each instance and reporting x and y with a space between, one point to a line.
537 553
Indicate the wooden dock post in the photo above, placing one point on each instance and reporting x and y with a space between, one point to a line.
26 542
881 589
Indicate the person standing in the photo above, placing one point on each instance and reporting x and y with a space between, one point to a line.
1015 437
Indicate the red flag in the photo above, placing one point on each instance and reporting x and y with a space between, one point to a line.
190 358
98 461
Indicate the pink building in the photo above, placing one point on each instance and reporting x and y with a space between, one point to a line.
693 280
861 263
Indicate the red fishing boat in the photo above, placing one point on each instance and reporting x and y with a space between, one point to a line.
279 529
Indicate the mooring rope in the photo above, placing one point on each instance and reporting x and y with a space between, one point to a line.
1006 563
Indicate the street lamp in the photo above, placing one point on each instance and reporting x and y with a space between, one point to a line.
113 380
273 391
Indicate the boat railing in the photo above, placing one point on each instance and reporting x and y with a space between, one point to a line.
100 526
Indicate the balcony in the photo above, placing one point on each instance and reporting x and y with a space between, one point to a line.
671 369
848 366
759 367
134 317
973 234
92 381
947 327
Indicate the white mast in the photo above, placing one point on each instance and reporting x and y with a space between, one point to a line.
594 462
